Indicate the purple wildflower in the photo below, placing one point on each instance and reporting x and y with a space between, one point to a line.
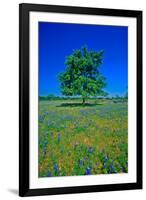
105 158
46 113
88 171
44 151
104 165
49 174
112 168
85 158
123 169
80 162
126 163
59 137
41 118
56 168
91 149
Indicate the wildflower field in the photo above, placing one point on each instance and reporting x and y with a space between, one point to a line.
76 139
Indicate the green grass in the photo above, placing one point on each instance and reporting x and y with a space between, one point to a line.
77 139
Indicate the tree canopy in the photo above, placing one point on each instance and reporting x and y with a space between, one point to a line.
82 76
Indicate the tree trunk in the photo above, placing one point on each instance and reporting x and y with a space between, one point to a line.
83 101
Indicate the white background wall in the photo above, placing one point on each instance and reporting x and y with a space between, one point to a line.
9 97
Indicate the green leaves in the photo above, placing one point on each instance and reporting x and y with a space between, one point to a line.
82 76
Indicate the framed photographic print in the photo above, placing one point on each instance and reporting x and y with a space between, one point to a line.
80 99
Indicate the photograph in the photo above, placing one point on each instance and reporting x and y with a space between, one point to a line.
82 99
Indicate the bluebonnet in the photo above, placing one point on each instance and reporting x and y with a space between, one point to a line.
49 174
126 163
46 113
91 149
88 171
105 158
123 169
85 126
56 168
84 112
41 118
104 165
45 151
68 117
45 144
80 162
85 158
59 137
112 168
49 123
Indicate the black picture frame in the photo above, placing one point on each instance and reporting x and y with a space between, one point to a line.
24 10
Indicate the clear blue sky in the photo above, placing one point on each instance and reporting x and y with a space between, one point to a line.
58 40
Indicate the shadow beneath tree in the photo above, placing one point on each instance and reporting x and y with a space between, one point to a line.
78 105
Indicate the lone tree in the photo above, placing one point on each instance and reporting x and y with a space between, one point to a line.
82 76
